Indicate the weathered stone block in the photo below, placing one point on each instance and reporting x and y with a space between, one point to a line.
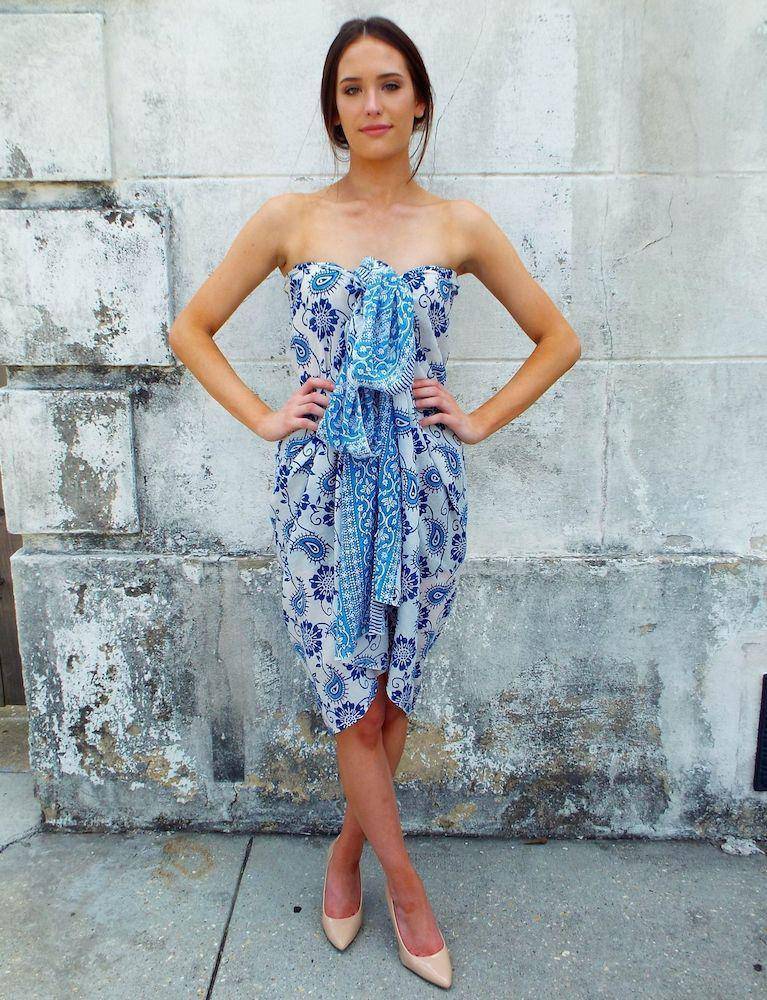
686 454
83 287
54 121
67 461
647 266
675 266
211 490
597 696
154 685
694 88
536 485
557 110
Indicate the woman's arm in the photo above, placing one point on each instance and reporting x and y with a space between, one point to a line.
488 254
254 254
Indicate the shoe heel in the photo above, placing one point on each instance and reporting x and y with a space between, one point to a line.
436 968
340 931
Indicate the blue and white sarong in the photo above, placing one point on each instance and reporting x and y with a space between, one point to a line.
369 512
360 422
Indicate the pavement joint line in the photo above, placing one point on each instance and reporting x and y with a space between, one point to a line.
222 943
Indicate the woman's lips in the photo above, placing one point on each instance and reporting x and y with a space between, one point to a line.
378 130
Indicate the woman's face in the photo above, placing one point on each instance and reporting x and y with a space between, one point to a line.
374 88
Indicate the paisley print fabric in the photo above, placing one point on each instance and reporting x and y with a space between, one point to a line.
369 512
360 422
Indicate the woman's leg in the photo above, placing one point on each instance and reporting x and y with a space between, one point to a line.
342 896
365 770
394 734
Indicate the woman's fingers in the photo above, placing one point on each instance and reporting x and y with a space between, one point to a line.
311 397
315 382
430 393
307 401
433 400
305 408
441 400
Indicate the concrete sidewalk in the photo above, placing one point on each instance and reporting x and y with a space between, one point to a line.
186 915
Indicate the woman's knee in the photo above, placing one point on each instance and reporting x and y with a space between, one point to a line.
368 728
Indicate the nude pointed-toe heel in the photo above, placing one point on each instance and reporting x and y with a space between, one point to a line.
340 931
436 968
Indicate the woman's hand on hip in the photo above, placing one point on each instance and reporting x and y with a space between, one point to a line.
430 393
304 404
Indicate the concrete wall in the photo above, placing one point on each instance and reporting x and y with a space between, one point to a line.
601 672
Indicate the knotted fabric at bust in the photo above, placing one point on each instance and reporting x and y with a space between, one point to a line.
359 421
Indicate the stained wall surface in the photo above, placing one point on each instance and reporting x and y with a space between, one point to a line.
602 668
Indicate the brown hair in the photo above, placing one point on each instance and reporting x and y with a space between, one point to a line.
387 31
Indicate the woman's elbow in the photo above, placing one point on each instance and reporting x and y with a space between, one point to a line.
180 333
568 344
175 338
179 337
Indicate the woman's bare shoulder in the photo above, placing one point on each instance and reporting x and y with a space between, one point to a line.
281 207
293 209
278 220
465 211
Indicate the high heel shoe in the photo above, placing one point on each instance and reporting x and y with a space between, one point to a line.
340 931
436 968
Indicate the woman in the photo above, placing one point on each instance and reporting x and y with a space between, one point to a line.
369 514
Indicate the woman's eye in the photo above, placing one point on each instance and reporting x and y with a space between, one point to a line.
390 84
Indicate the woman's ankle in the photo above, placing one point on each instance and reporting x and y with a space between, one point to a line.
348 849
405 884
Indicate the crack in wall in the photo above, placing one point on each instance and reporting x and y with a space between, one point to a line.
458 83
